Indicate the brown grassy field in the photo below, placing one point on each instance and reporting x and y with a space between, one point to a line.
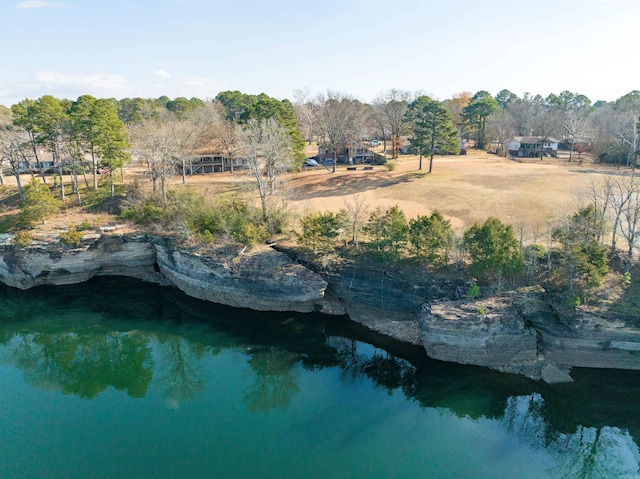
463 188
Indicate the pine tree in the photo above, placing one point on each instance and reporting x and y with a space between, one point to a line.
38 203
433 129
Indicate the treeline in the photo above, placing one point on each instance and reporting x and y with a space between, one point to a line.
90 135
609 130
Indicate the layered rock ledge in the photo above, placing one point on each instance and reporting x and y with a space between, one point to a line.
262 279
516 333
520 333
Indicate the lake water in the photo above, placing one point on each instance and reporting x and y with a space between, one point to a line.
119 379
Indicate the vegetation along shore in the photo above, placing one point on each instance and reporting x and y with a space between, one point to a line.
492 230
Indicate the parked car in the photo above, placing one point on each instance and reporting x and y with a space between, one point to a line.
309 162
103 170
328 161
374 143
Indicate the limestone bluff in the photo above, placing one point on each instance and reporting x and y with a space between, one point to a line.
518 332
261 279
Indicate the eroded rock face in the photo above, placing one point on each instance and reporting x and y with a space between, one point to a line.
519 333
469 334
591 341
48 264
261 279
383 303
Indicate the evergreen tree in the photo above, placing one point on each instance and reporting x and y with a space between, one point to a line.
475 114
320 230
388 230
433 129
38 203
494 251
431 237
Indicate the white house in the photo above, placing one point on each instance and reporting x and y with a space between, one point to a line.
532 146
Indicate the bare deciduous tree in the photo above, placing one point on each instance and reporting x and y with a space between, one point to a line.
339 121
630 216
306 113
391 106
266 146
154 142
357 214
15 151
500 129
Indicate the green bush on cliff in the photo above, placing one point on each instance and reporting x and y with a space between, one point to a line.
388 232
320 230
22 238
146 213
38 203
71 237
494 252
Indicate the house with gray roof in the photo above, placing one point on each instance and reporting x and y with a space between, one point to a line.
533 146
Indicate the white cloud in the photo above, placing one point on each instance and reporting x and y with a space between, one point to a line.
200 87
161 73
31 4
100 84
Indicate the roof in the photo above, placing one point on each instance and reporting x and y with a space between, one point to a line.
534 139
208 151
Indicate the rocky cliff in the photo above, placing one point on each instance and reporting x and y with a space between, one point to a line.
45 261
260 279
517 333
520 333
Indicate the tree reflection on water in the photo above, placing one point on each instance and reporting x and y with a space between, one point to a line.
588 452
84 347
276 381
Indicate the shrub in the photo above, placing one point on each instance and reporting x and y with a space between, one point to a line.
474 291
38 203
7 223
391 165
23 238
388 232
146 214
84 226
432 238
71 237
494 251
320 230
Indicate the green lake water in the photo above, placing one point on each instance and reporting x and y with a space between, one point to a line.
119 379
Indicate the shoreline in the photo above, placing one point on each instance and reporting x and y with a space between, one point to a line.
518 332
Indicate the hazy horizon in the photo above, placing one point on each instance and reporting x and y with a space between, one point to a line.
197 48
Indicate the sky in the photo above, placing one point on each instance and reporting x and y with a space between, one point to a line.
197 48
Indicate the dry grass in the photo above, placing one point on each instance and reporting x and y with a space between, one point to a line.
463 188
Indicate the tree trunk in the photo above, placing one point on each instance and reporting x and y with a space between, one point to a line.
61 183
77 186
94 169
571 151
19 184
263 201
